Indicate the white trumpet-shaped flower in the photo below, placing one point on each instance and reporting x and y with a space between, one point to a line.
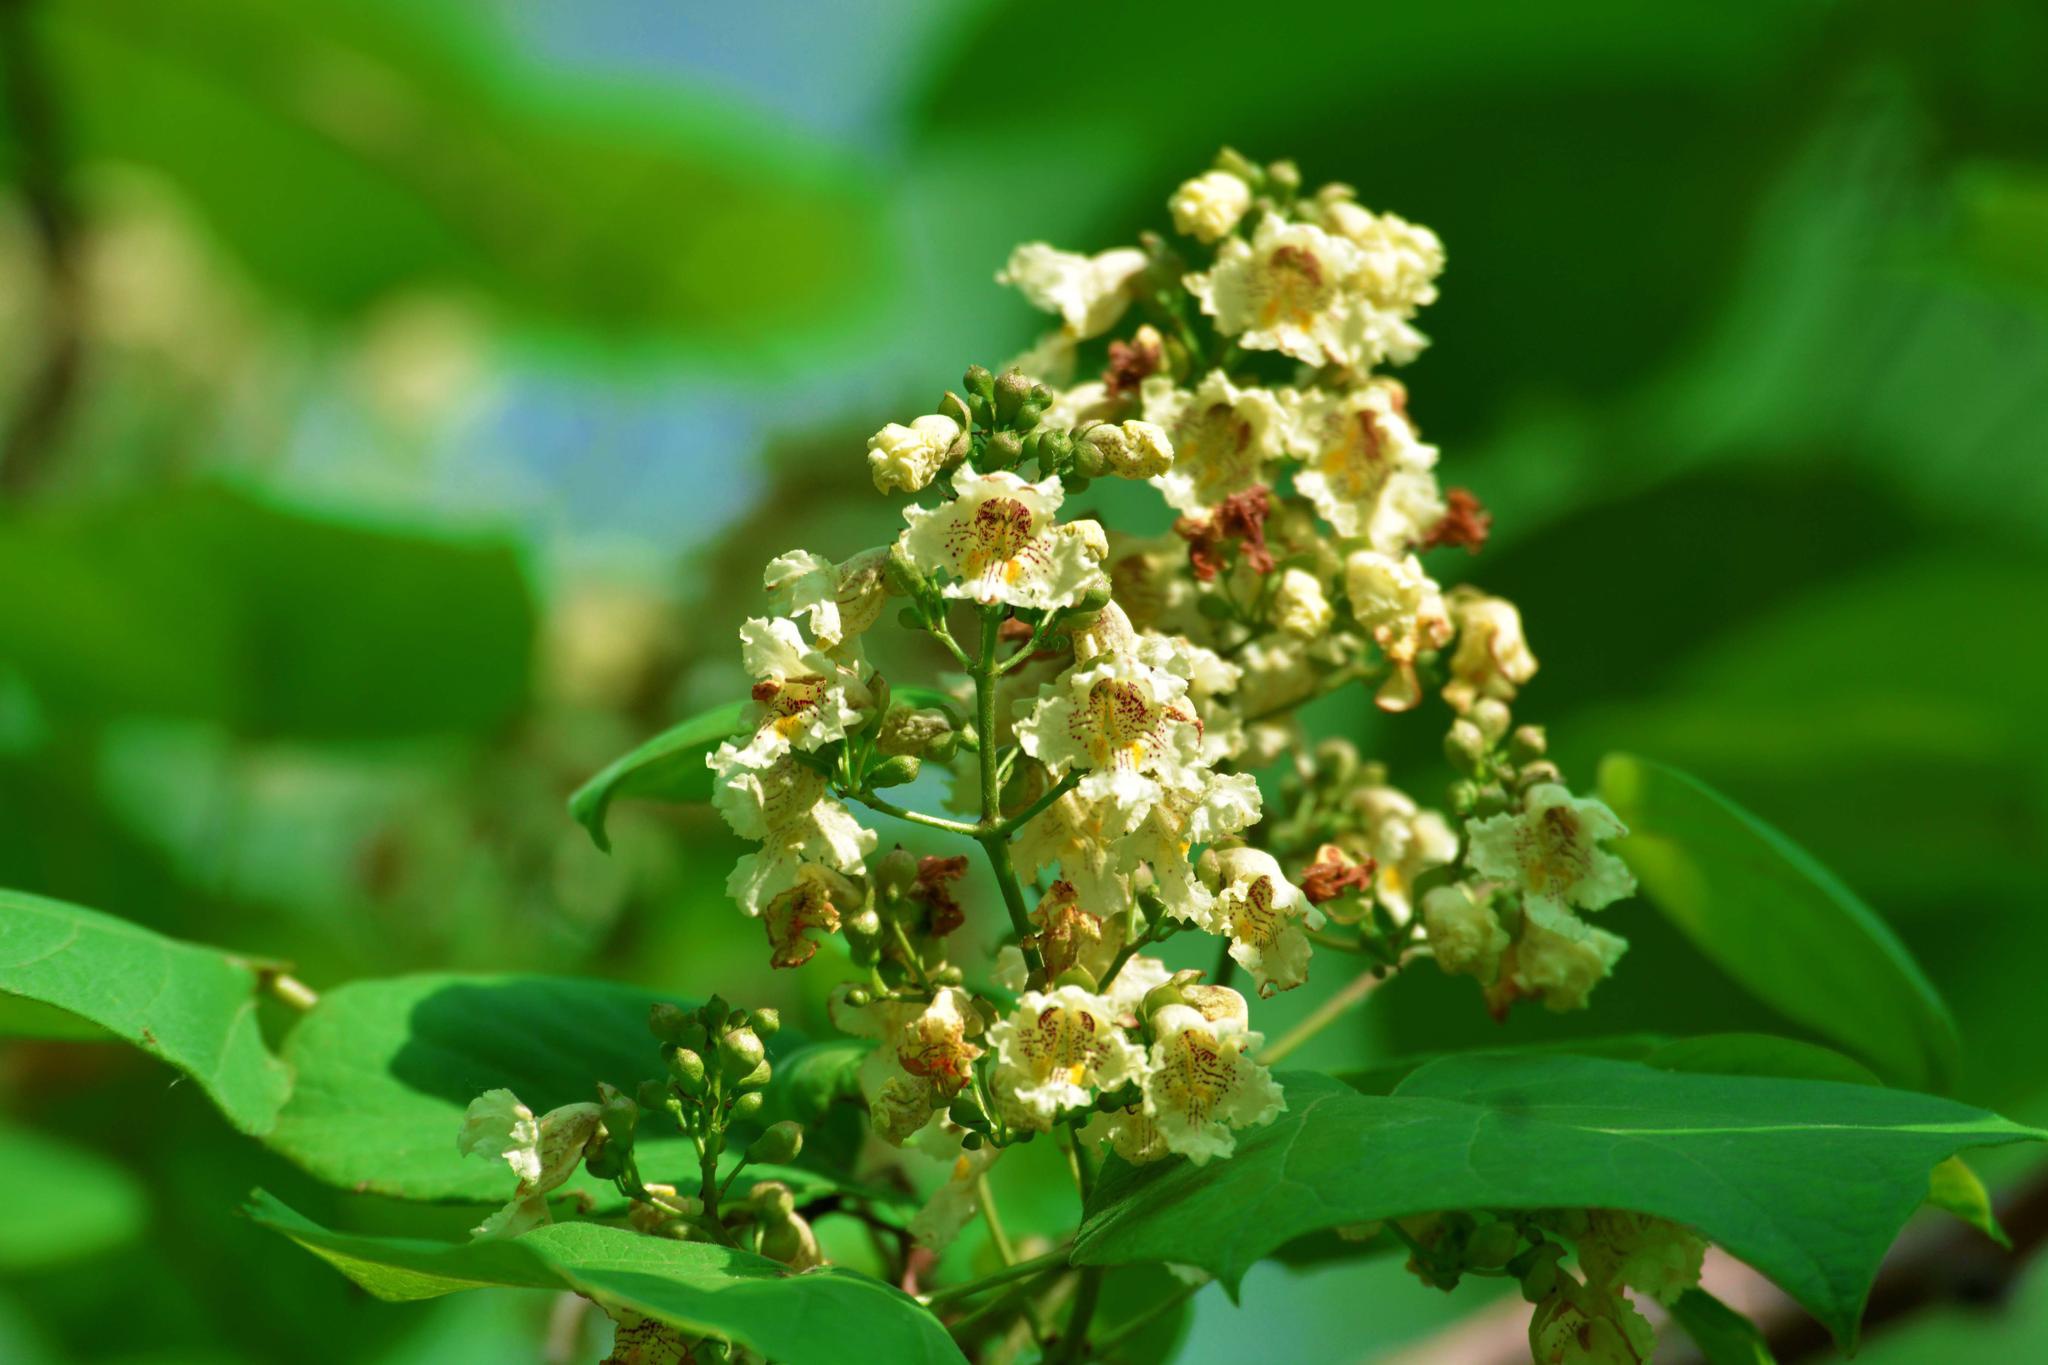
1266 918
1057 1051
996 542
1202 1085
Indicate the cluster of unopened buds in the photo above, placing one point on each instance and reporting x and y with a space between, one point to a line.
1098 693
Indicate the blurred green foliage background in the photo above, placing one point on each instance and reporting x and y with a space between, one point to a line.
399 402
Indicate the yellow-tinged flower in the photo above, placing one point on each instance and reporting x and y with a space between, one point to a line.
1559 968
803 697
907 458
1578 1324
1550 852
1363 467
1465 935
542 1152
1223 438
836 601
1405 841
1492 660
1403 608
1056 1052
1207 207
1202 1084
789 809
1300 607
1290 289
1088 292
1653 1255
1121 720
996 542
1265 917
812 904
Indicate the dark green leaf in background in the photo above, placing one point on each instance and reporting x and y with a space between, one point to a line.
1779 922
61 1202
1724 1336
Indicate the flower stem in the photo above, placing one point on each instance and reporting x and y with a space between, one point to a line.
994 834
1017 1271
915 817
1324 1015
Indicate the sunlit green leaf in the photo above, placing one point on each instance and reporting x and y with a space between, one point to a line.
818 1316
669 767
1808 1181
1779 922
1956 1188
194 1007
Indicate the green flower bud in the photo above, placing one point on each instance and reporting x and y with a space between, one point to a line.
711 1351
713 1012
739 1052
1536 773
687 1066
1159 997
748 1105
1077 976
972 1142
893 772
1491 1246
779 1145
980 382
738 1019
667 1022
906 579
758 1078
604 1160
1464 797
860 997
767 1022
620 1114
1528 743
1004 449
1465 746
771 1200
1012 387
653 1095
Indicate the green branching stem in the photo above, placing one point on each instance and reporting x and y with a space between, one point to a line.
916 817
993 835
1050 1260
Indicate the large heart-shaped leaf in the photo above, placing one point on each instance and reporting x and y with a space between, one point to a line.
1778 922
824 1315
669 767
194 1007
1808 1181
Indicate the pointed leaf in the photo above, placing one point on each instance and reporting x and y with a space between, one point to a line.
194 1007
817 1316
669 767
1808 1181
1779 922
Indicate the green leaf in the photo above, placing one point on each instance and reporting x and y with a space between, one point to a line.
798 1318
1955 1188
1808 1181
1724 1336
669 767
62 1203
1779 922
385 1069
1757 1054
420 153
814 1077
194 1007
216 605
21 1017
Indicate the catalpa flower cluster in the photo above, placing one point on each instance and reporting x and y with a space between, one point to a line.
1124 567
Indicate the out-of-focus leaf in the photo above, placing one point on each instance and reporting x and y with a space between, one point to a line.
811 1079
1381 1077
194 1007
818 1316
404 163
669 767
1724 1336
1808 1181
62 1202
1955 1188
211 604
1779 922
